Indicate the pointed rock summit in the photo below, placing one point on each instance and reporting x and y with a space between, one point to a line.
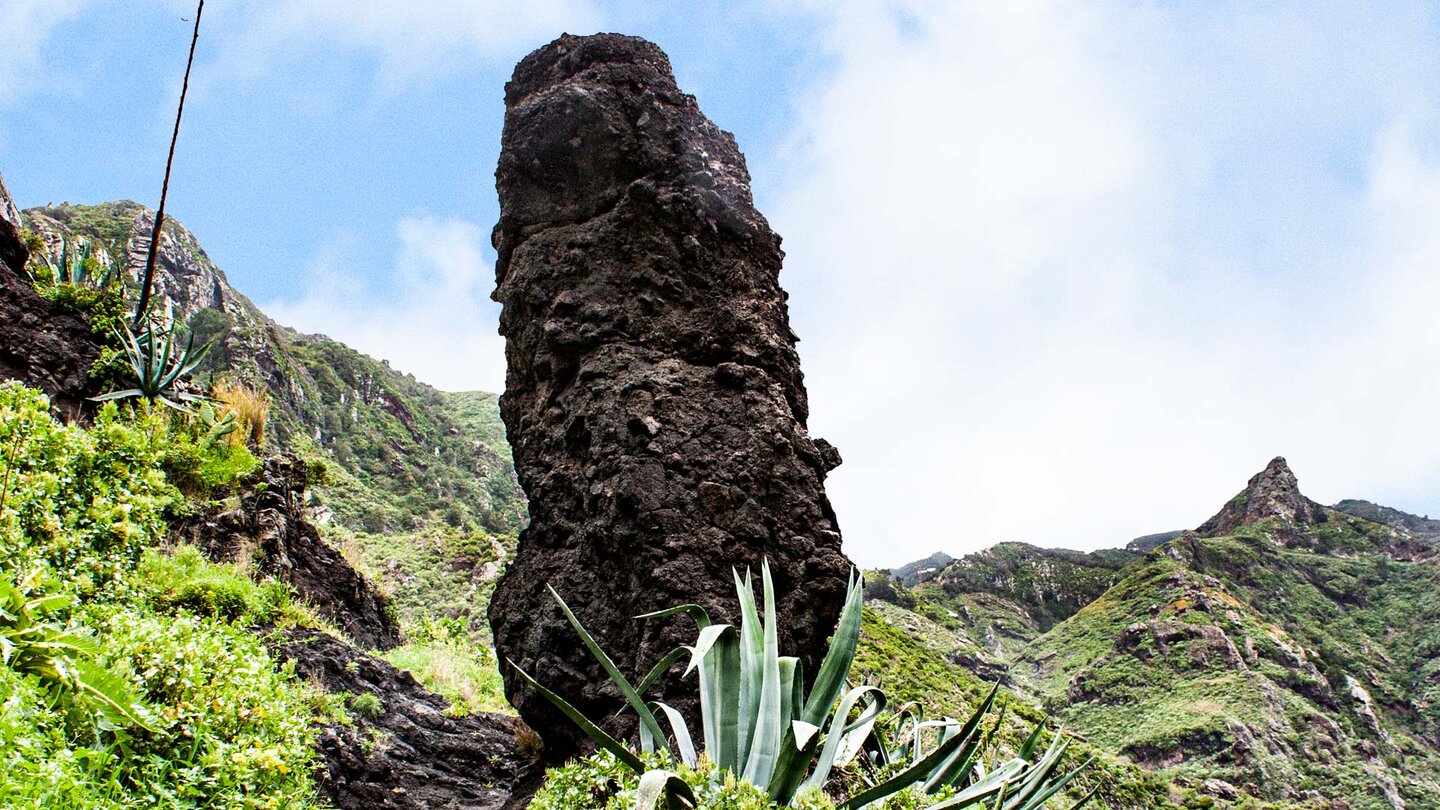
1272 494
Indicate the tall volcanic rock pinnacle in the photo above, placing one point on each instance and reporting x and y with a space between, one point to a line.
654 398
1273 493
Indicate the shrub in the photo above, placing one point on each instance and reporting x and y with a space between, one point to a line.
78 505
367 705
251 407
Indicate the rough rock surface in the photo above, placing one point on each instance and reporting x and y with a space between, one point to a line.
411 756
13 251
270 528
1273 493
654 398
42 344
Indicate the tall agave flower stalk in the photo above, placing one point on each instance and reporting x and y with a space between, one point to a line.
148 278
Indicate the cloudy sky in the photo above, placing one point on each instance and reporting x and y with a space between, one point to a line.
1064 273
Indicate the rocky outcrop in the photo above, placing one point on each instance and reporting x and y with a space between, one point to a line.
654 398
1272 494
269 530
13 251
42 344
408 754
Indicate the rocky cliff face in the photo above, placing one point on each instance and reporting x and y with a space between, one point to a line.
13 251
269 529
654 397
42 344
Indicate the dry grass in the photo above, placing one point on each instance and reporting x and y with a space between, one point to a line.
251 407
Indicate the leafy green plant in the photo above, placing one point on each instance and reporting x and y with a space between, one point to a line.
78 266
157 366
33 642
759 727
962 778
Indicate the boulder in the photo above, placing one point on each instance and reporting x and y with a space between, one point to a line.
654 398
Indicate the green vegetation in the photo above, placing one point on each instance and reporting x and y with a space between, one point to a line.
762 732
445 657
603 782
158 364
81 516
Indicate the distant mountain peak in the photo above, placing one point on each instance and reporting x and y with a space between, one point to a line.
1272 494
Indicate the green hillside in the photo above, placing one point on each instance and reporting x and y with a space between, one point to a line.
1288 654
403 455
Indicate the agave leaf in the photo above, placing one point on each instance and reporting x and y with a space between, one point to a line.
836 734
708 636
1084 800
661 667
769 731
830 680
647 718
696 612
1027 751
797 752
681 732
855 735
752 650
720 694
594 732
661 783
128 392
791 689
957 767
912 774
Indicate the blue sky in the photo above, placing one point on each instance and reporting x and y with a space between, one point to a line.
1064 272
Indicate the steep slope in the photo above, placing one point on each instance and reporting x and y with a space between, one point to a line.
1284 650
402 454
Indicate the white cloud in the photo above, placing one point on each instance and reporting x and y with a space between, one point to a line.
441 326
1069 273
25 28
409 39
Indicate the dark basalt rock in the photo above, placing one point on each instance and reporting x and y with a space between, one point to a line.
654 398
270 528
42 344
13 250
412 755
1272 494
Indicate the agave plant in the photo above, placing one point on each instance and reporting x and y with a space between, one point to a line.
79 267
759 725
158 365
32 643
1023 782
216 426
